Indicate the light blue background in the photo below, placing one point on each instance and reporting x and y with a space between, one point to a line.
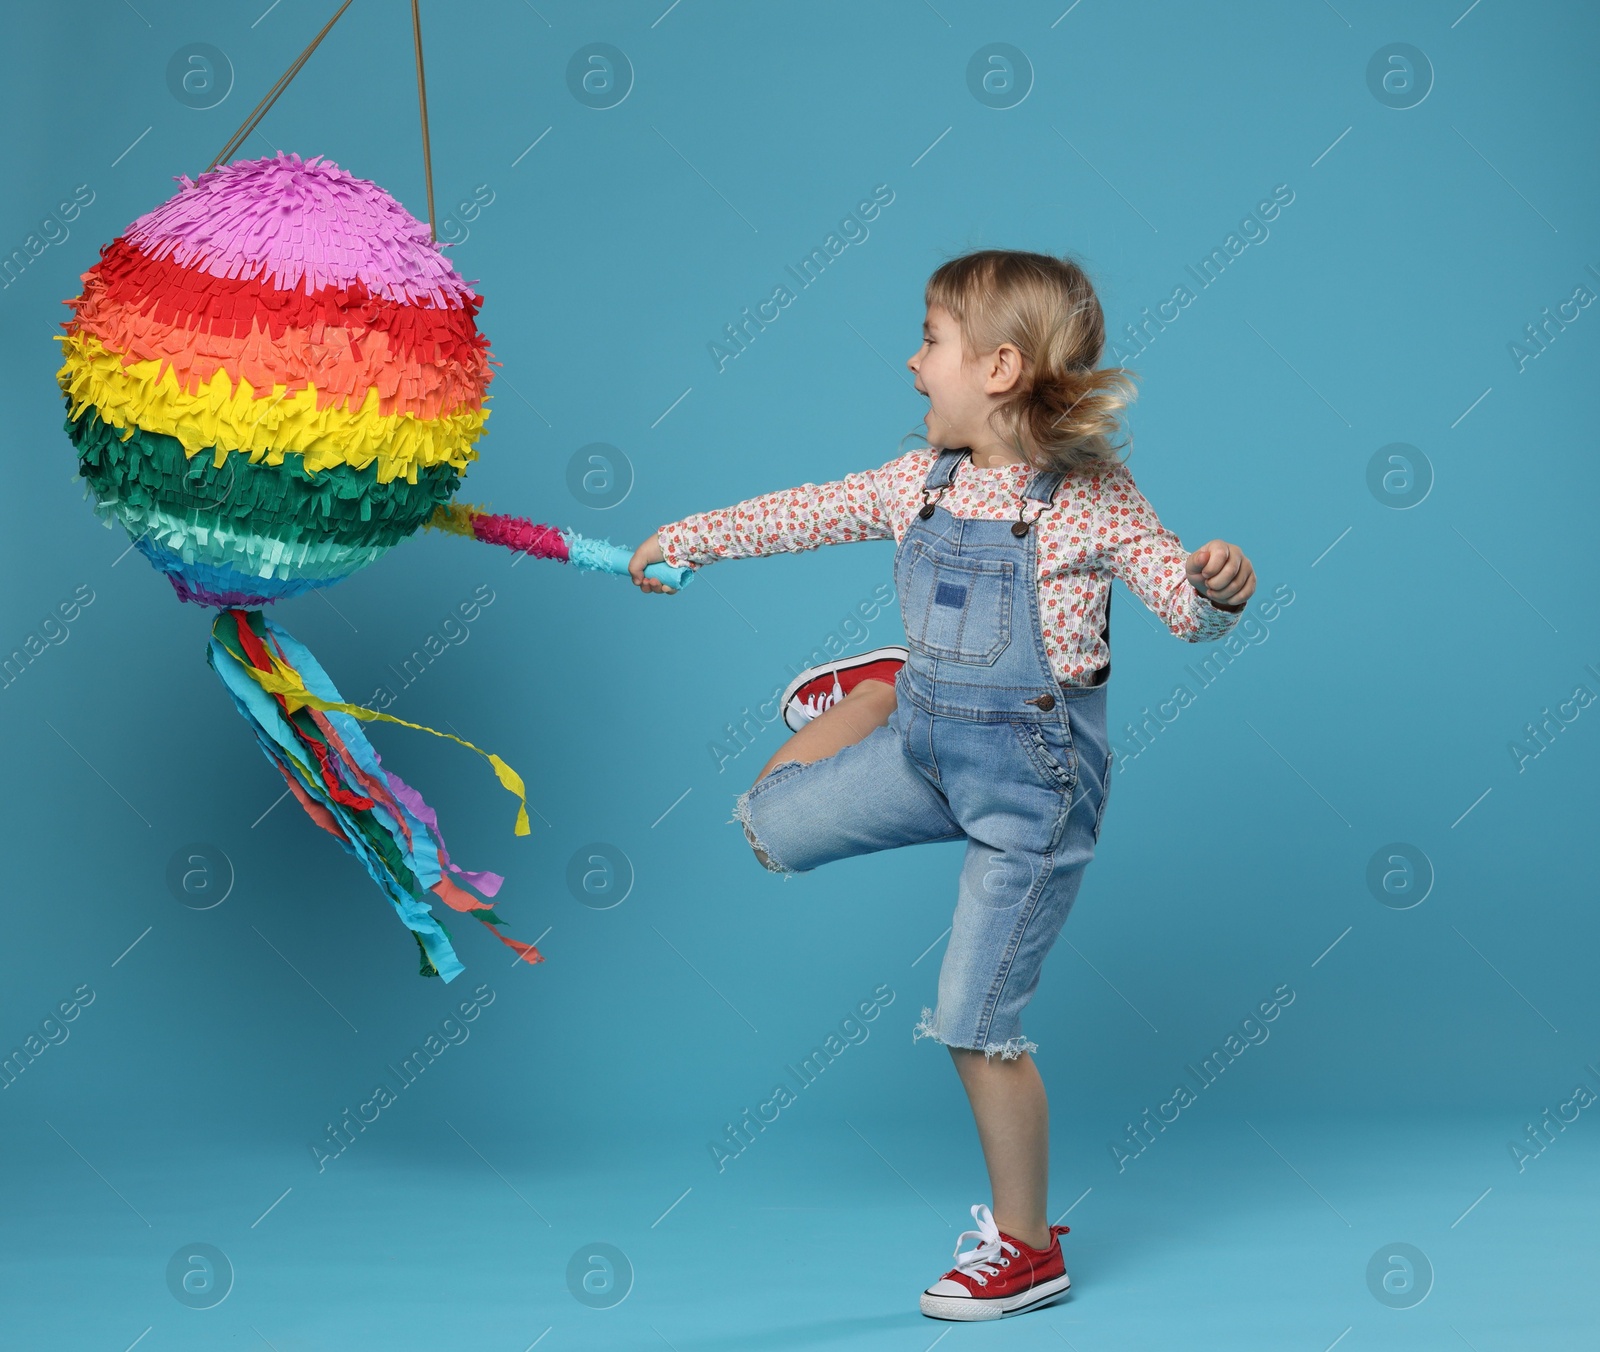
1381 706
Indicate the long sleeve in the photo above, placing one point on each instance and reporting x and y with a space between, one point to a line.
787 521
1150 559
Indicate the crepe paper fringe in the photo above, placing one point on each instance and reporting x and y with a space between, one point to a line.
314 739
150 471
261 556
301 224
181 298
547 542
221 584
340 362
543 542
228 415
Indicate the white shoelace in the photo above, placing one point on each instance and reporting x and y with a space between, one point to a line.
987 1258
807 709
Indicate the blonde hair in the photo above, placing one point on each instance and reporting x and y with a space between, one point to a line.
1064 411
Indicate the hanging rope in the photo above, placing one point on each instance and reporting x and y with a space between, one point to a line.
422 102
261 109
265 106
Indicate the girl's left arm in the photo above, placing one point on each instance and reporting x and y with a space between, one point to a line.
1156 567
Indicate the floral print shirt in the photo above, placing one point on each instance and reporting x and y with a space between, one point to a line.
1100 526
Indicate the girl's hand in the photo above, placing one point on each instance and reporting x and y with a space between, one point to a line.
1221 573
646 554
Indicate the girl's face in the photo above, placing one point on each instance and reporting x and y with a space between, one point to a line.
961 393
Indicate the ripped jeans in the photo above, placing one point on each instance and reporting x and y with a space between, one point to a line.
1028 796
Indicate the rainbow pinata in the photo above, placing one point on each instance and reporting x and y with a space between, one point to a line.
272 379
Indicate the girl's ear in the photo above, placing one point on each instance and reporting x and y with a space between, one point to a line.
1004 369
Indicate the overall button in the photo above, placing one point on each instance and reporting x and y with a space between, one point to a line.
1046 701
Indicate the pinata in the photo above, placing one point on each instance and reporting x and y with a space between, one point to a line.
271 380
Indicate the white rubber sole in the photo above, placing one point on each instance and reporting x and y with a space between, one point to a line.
974 1307
897 651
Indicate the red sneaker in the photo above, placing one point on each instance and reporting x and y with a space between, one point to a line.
821 687
1001 1276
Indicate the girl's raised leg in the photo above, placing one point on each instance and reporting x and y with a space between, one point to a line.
867 706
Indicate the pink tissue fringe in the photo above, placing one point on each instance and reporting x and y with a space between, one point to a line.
302 224
543 542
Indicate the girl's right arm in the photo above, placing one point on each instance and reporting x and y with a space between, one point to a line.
856 507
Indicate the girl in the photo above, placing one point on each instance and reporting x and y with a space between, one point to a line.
989 726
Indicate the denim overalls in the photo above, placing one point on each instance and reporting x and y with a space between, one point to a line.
984 745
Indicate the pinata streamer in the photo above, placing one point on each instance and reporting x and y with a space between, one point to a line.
271 380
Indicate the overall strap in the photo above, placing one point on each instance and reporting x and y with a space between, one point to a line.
944 468
1044 484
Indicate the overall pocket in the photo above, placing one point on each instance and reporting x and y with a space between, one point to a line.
957 608
1105 793
1049 748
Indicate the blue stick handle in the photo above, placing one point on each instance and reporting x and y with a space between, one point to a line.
665 572
605 557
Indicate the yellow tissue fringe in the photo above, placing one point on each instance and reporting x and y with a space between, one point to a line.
454 517
227 416
286 681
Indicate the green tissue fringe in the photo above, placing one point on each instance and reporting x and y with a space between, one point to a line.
343 504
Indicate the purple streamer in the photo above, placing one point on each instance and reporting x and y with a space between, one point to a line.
486 882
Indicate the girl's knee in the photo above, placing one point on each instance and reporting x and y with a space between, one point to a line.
744 811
